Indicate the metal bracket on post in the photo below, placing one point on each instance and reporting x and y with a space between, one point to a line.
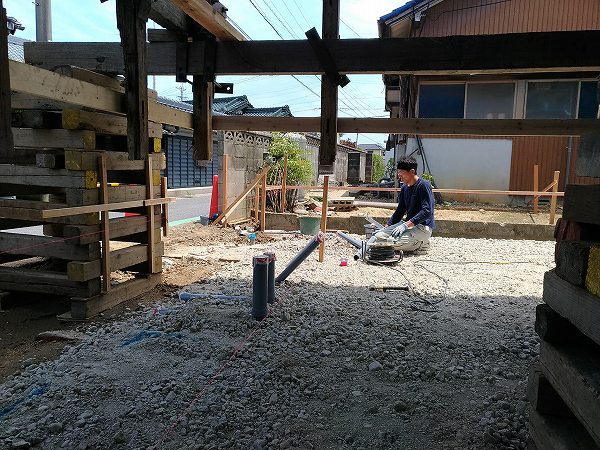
181 57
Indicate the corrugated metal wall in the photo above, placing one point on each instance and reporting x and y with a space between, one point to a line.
472 17
182 170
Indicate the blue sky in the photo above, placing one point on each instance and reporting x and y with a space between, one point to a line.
90 20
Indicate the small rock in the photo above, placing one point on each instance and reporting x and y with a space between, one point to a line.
55 427
119 437
20 443
401 406
273 398
375 365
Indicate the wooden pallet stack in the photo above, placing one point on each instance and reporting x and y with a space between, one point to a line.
564 386
70 168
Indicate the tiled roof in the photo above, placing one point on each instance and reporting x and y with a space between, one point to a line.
231 106
15 48
278 111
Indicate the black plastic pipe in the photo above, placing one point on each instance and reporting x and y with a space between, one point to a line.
260 278
301 256
271 282
357 243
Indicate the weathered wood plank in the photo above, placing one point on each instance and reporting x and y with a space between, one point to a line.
76 119
81 309
6 138
25 118
203 132
572 262
588 155
555 329
573 372
56 283
558 429
39 138
204 14
39 176
582 203
168 16
562 51
473 127
116 194
90 77
575 304
119 259
78 160
24 244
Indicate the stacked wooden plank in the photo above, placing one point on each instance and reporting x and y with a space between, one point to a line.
70 166
564 386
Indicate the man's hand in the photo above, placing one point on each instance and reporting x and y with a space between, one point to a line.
409 224
396 232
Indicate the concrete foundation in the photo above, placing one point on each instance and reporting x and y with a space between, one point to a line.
444 228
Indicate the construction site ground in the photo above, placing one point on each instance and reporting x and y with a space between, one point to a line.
335 365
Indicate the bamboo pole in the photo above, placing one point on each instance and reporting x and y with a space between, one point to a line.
324 216
536 187
284 184
263 204
553 199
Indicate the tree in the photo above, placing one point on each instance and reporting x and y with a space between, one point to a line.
378 170
390 170
299 170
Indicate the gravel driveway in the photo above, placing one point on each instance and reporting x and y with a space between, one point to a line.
335 365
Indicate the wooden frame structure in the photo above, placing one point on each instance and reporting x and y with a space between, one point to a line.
199 42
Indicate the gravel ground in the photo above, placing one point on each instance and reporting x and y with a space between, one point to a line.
334 366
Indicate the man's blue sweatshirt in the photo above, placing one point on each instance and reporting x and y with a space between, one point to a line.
417 203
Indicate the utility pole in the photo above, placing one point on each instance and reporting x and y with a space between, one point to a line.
43 20
181 91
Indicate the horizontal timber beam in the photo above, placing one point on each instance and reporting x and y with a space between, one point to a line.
206 16
560 51
475 127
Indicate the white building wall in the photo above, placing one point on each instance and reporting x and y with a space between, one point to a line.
467 164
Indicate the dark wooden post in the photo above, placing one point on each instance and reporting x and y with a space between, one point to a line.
132 16
6 137
203 88
329 92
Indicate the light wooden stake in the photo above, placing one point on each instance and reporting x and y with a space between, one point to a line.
150 214
263 204
553 199
324 216
284 184
165 207
224 189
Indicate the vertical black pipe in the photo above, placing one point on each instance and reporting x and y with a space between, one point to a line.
260 280
301 256
271 283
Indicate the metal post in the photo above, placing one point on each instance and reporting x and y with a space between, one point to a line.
43 20
260 275
271 283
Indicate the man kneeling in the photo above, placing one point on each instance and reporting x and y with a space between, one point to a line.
416 202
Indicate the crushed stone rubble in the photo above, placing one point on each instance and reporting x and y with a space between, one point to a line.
334 366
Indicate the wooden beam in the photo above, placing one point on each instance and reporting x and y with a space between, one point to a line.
472 127
553 198
85 308
214 22
120 228
168 16
242 196
77 210
116 194
202 140
558 51
6 138
76 119
46 246
582 203
117 260
90 76
38 176
150 214
131 21
39 138
165 207
57 283
88 160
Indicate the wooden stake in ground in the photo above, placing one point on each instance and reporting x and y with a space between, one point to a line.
105 225
284 184
536 187
324 216
224 188
553 199
263 204
165 207
150 214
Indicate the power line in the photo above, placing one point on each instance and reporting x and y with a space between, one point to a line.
349 27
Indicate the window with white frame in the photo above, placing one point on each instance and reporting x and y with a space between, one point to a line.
552 99
490 100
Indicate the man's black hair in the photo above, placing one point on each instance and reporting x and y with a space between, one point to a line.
407 163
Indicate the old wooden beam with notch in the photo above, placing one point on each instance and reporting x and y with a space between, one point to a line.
6 137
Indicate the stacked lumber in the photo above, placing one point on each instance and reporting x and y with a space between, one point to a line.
564 386
68 170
